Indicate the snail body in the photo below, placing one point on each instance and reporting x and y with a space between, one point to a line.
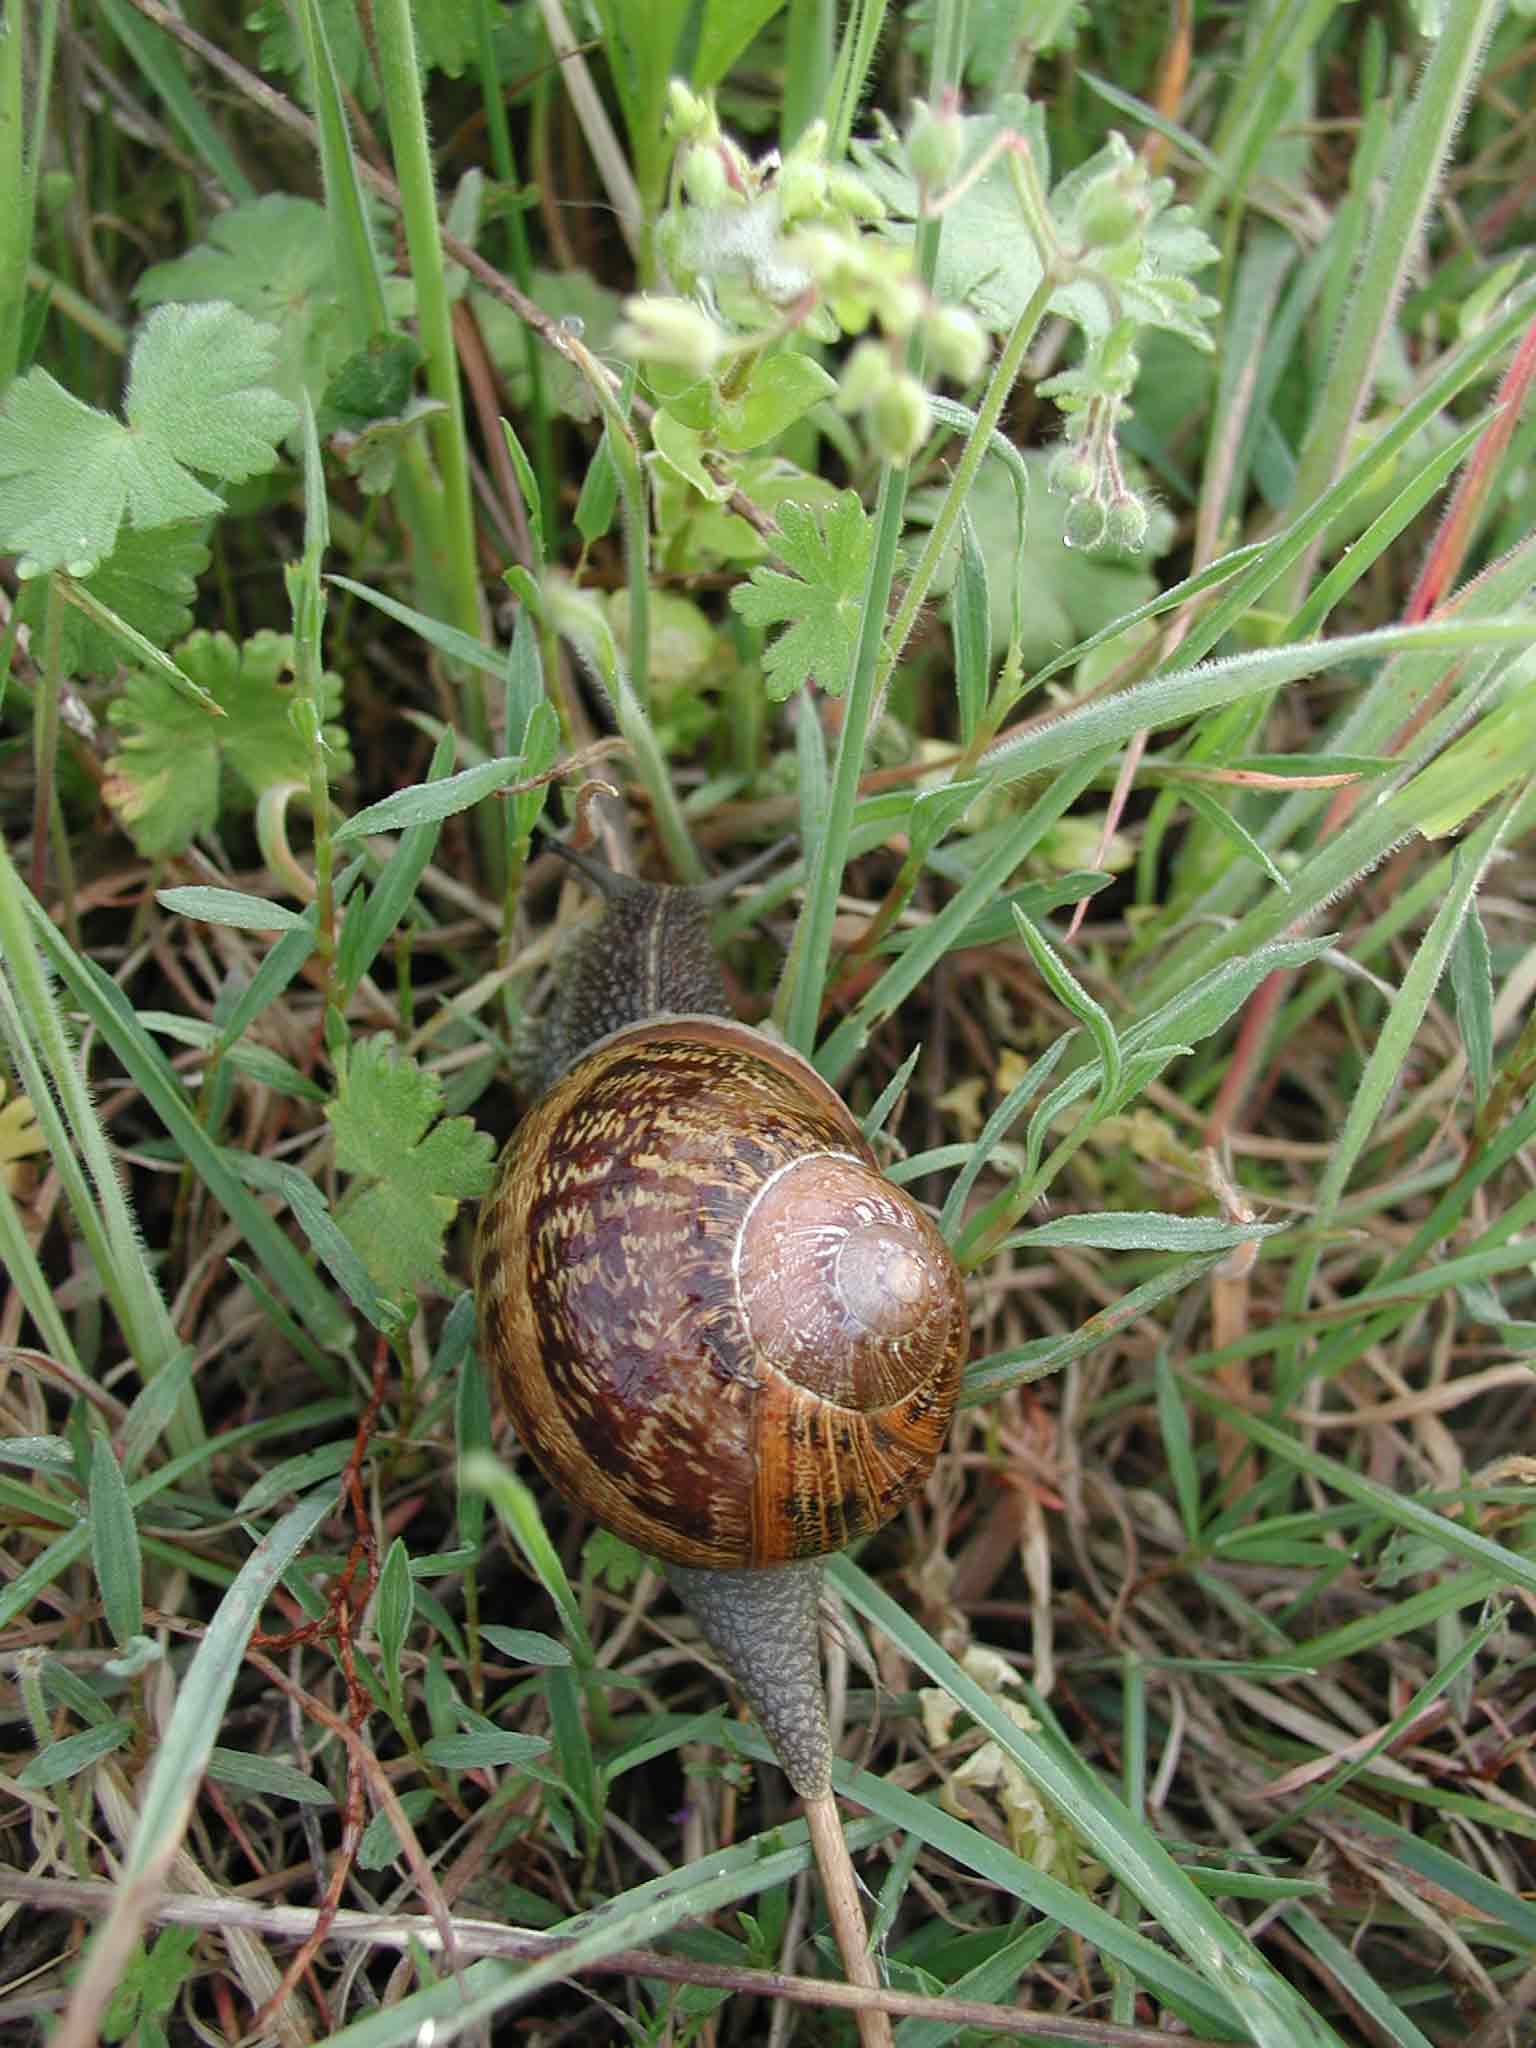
715 1324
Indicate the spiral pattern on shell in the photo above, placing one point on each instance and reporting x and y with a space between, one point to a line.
715 1324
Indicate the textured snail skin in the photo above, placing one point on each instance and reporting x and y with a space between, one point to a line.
715 1324
649 956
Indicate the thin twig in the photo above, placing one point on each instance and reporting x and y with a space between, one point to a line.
485 1938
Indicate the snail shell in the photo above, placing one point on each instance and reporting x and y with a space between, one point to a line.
715 1324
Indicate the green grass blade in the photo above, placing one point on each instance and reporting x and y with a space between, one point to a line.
103 1002
159 59
1390 250
1231 1967
1402 1512
81 1151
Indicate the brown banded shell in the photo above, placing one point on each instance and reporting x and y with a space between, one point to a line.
714 1323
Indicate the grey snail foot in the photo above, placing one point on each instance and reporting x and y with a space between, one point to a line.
763 1626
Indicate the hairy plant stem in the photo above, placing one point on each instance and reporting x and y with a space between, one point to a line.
1005 373
503 158
308 603
20 158
401 82
1424 144
797 1011
50 1071
861 39
45 733
400 79
797 1008
637 539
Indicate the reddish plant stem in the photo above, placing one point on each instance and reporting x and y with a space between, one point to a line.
1446 554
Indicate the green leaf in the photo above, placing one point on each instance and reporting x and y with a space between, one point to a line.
412 1172
268 1777
781 390
427 802
519 1514
1480 765
1472 983
373 919
1215 813
1147 1230
170 781
1178 1443
169 1791
728 27
444 32
490 1746
275 259
232 907
528 484
821 605
149 580
599 498
526 1645
37 1453
372 453
115 1545
1069 991
395 1601
971 626
450 641
335 1249
679 448
986 259
73 1754
199 386
380 1844
67 1688
374 383
70 476
153 1408
295 1475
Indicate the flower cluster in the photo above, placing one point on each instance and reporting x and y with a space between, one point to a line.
1092 400
1125 253
757 248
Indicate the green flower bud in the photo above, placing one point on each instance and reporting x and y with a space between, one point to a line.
865 375
899 420
956 342
802 189
1070 472
935 139
828 256
1079 843
846 189
670 331
704 178
899 301
689 118
1125 523
1084 524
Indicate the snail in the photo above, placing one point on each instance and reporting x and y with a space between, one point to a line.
714 1323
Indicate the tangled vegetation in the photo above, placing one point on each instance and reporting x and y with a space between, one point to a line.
1054 482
